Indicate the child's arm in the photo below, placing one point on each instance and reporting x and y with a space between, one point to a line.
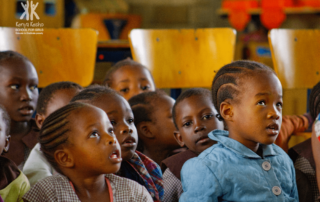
199 182
291 125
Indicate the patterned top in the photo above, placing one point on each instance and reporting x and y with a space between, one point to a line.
172 187
57 188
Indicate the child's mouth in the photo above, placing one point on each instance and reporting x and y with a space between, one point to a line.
129 142
26 111
273 129
115 157
203 139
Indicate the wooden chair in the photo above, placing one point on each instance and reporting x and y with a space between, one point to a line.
183 58
57 54
296 59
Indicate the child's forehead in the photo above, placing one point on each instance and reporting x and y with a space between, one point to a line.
17 67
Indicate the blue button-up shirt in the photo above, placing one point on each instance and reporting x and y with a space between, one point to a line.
229 171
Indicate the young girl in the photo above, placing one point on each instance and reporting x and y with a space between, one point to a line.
19 95
13 183
135 165
153 120
244 165
194 117
51 98
129 78
79 142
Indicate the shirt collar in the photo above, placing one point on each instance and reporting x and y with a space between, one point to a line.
222 137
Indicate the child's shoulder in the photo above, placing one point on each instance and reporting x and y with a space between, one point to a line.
130 190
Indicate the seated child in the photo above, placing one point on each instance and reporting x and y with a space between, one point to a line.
153 119
135 165
129 78
13 183
244 165
303 157
51 98
194 117
19 95
79 142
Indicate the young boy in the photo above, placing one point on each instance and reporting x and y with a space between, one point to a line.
194 117
19 95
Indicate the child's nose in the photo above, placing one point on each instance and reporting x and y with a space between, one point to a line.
112 140
26 95
274 114
199 126
126 130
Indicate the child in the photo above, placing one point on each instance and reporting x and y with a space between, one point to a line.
79 142
19 95
194 117
129 78
51 98
244 165
135 165
153 120
13 183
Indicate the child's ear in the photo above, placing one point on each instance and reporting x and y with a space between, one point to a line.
64 158
178 138
39 120
226 110
7 144
145 130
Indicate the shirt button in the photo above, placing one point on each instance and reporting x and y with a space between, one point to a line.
266 165
276 190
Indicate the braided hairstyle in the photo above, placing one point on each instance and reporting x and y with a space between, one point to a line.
5 119
314 101
47 93
126 62
93 92
226 83
55 131
142 106
186 94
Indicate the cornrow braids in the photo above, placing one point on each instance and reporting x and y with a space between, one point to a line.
126 62
47 93
92 92
4 55
5 119
186 94
54 131
142 106
314 101
226 83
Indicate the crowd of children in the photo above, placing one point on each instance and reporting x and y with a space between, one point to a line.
128 141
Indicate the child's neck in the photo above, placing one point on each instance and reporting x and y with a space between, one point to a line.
254 146
19 129
90 188
157 154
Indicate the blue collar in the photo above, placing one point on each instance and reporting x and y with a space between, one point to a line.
221 136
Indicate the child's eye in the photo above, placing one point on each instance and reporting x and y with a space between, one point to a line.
111 131
124 90
15 86
262 102
113 123
33 87
279 104
186 124
145 87
206 117
130 121
94 134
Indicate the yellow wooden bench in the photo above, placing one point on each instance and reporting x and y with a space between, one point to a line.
183 58
57 54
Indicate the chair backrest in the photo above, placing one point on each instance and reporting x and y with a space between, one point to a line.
57 54
50 13
296 57
96 21
183 58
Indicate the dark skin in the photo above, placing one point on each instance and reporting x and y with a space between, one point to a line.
19 95
196 118
91 152
157 135
260 106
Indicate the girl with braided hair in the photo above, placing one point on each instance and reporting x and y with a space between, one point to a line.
244 165
79 142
